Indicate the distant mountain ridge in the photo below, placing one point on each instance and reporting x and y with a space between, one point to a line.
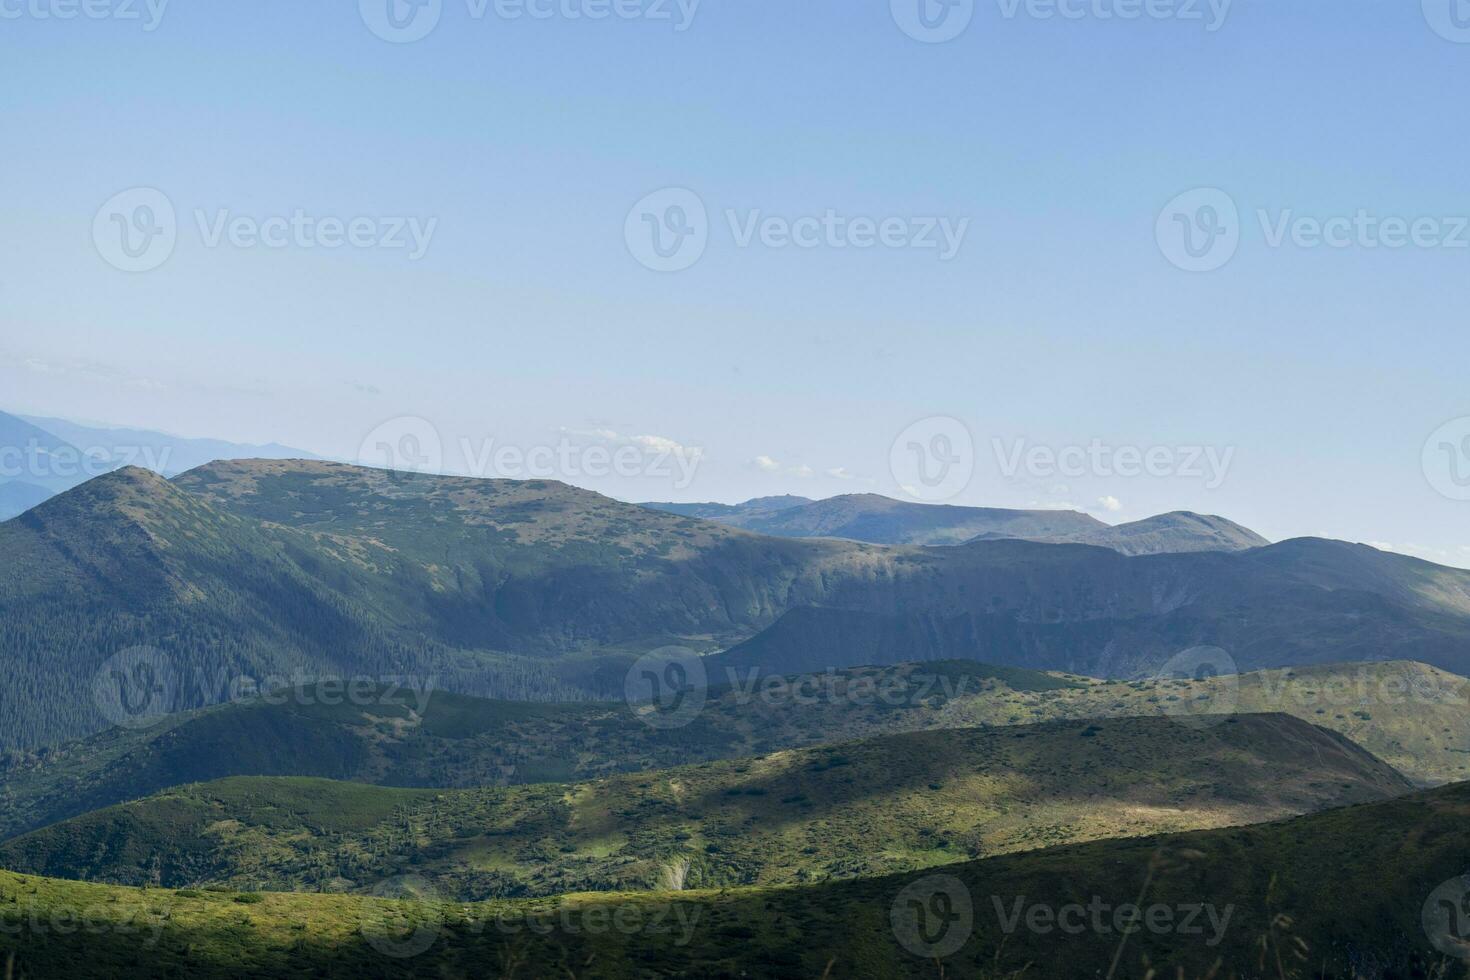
1173 533
877 519
535 589
163 452
44 456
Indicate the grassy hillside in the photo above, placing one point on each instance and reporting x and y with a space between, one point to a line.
410 738
1412 716
1337 895
865 808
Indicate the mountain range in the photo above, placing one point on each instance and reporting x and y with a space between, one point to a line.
538 589
882 520
42 456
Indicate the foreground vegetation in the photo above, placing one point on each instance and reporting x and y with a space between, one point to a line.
1336 895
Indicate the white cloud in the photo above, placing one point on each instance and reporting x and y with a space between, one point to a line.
765 464
841 473
1110 503
647 443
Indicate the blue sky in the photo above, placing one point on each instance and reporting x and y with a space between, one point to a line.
523 144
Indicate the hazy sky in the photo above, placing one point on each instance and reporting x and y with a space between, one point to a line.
986 225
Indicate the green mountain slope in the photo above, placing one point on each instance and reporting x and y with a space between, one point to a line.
1412 716
130 565
877 806
1092 611
406 737
539 590
883 520
1177 532
1336 895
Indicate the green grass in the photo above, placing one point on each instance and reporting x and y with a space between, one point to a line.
873 807
463 742
1331 896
